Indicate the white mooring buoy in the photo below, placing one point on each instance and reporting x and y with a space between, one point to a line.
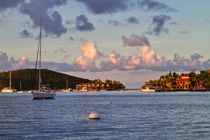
109 102
94 116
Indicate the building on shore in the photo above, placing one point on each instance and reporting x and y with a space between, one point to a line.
98 86
183 83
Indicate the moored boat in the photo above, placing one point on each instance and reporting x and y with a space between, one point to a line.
9 89
148 89
44 91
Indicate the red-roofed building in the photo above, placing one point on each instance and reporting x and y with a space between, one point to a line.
183 83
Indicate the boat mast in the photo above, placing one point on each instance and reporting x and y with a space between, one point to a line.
67 83
20 86
40 42
10 80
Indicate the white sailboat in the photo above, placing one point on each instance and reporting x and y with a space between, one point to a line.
44 91
9 89
67 89
20 90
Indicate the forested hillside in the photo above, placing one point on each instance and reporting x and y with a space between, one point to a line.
28 80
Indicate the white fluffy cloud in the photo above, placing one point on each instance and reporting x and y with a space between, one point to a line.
87 60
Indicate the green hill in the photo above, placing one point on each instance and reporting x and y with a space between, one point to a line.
28 81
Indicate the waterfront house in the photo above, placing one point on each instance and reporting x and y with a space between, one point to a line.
183 83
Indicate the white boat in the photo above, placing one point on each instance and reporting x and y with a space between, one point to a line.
44 91
30 91
148 89
67 89
20 90
9 89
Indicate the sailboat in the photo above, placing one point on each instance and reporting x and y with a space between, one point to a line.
9 89
44 91
20 91
67 89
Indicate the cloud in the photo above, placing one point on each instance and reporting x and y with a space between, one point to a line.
60 50
132 20
206 64
82 24
71 38
105 6
135 40
130 63
145 58
114 22
5 4
20 63
158 23
152 5
26 34
4 62
52 20
112 63
148 59
181 63
7 63
87 60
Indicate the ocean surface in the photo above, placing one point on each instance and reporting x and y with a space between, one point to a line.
132 115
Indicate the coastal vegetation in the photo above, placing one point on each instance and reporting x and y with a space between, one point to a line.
29 81
181 82
97 85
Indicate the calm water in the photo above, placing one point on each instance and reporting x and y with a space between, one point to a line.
132 115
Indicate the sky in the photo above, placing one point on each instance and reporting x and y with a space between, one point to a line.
131 41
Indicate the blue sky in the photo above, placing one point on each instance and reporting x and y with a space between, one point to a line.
127 40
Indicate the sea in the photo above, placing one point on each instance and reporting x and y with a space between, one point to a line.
132 115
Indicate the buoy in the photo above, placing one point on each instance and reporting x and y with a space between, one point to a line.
94 116
109 102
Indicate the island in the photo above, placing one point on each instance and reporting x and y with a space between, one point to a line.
180 82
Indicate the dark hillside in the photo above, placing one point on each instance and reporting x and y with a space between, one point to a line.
28 81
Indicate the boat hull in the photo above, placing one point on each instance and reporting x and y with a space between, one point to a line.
148 90
7 90
41 95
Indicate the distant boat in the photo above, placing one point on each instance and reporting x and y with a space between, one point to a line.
30 91
148 89
20 90
9 89
44 91
67 89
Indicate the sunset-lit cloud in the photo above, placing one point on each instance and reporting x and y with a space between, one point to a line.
87 60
